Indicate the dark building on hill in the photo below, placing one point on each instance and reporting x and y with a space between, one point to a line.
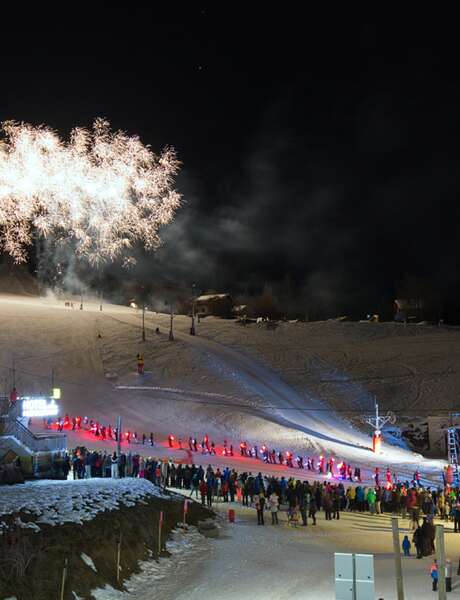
218 305
408 309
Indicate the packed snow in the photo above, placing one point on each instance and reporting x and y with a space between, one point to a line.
58 502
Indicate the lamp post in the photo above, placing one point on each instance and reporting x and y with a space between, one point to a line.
171 332
143 321
192 328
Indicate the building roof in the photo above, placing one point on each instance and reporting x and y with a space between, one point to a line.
208 297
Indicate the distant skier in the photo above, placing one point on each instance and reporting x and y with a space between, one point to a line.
140 364
13 397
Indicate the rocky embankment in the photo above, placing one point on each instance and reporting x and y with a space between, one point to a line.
83 525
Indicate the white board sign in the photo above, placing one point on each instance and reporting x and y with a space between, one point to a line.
39 406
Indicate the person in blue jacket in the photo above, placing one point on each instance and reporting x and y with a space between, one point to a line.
406 546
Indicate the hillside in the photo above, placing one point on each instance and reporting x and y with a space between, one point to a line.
44 523
232 382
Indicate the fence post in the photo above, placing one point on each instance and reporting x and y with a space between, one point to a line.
64 577
118 557
185 512
441 558
160 525
397 553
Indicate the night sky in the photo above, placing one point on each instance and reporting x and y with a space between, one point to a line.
322 147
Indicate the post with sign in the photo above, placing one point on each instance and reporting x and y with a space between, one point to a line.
397 553
364 576
345 585
354 576
441 558
160 526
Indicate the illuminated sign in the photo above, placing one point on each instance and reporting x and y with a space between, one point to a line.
56 393
39 406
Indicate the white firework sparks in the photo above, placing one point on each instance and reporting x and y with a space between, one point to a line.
105 190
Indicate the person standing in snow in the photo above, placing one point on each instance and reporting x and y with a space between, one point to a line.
259 501
203 491
371 498
448 575
406 546
210 490
418 541
122 465
434 575
195 485
456 513
327 505
114 466
336 505
273 502
140 364
313 508
303 497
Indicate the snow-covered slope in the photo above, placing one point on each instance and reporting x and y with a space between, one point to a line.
228 381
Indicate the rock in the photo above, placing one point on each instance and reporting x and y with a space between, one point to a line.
210 533
206 524
208 528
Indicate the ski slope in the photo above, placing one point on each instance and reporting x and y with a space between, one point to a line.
195 385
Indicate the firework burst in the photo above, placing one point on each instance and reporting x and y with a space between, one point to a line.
104 190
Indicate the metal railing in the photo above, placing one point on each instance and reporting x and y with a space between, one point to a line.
46 442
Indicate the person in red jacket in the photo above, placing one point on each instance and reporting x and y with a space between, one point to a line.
412 507
203 491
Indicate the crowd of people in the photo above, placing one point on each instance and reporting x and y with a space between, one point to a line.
302 499
321 464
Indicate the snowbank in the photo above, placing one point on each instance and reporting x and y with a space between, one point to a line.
58 502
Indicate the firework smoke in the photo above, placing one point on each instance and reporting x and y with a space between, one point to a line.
102 190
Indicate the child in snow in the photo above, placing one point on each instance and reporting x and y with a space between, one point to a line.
293 516
406 546
434 575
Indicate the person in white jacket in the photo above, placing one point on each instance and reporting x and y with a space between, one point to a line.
273 502
114 467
